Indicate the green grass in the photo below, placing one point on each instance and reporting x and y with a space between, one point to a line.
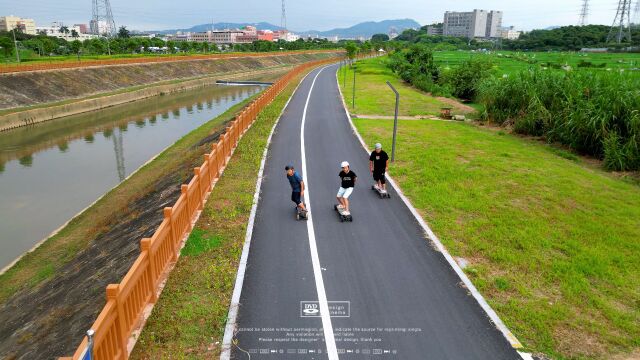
188 320
374 97
553 243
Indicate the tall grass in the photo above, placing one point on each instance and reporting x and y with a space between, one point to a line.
595 113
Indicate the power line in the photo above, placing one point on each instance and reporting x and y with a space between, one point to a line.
584 13
621 28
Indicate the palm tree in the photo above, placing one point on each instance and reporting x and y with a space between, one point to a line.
74 34
64 29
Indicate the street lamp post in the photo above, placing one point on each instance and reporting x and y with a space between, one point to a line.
353 97
15 43
395 123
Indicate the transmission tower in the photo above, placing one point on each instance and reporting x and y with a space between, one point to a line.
622 21
283 18
636 14
102 19
584 13
119 152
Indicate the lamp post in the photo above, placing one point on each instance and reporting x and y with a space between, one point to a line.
395 123
15 43
353 97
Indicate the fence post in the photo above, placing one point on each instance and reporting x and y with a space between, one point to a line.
207 159
145 245
113 290
168 215
196 172
184 190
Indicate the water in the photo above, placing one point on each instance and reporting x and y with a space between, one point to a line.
51 171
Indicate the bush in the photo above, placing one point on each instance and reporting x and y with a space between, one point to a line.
594 113
465 79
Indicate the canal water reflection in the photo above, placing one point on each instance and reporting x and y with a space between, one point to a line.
51 171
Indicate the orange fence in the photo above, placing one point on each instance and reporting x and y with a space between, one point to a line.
55 65
127 300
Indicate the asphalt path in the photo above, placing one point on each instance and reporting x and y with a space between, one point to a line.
373 288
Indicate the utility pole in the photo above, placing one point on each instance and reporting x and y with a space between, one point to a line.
395 123
622 20
15 43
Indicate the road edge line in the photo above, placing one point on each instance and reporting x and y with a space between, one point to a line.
327 327
493 316
242 266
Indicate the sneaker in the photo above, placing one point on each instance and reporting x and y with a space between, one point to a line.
383 191
376 186
347 213
340 206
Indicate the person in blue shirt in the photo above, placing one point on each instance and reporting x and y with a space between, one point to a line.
297 186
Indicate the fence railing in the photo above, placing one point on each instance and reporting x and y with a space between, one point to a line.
68 64
127 300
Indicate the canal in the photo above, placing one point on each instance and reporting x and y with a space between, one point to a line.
51 171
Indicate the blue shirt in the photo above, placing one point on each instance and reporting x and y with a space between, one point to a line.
295 181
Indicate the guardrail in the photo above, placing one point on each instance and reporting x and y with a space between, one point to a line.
56 65
139 288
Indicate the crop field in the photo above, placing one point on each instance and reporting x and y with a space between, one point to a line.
509 62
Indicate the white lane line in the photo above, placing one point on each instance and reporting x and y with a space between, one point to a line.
315 260
231 325
515 343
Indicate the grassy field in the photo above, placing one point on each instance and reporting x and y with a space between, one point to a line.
508 62
374 97
552 240
188 320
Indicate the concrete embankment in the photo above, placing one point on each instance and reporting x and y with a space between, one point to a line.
67 90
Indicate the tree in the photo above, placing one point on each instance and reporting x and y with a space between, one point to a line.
380 38
64 29
7 46
75 46
171 46
352 50
123 33
74 34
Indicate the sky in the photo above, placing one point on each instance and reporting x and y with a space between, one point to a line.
305 14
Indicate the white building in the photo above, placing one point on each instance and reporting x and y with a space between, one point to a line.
54 31
510 33
8 23
99 27
473 24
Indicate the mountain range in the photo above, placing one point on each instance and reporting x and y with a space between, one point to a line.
365 29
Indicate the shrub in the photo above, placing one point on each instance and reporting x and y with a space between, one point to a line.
594 113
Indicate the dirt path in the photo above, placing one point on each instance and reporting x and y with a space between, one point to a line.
386 117
465 109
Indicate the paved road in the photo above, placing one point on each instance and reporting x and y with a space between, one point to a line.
402 299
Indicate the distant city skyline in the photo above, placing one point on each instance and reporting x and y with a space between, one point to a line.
303 15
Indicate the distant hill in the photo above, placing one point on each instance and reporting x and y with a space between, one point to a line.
223 25
366 29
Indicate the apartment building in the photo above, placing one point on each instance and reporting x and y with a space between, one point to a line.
473 24
8 23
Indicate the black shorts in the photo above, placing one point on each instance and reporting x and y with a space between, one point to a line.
379 176
296 197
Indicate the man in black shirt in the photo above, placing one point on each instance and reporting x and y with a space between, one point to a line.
378 165
348 181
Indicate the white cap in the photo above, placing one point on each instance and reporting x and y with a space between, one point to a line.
344 163
378 146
